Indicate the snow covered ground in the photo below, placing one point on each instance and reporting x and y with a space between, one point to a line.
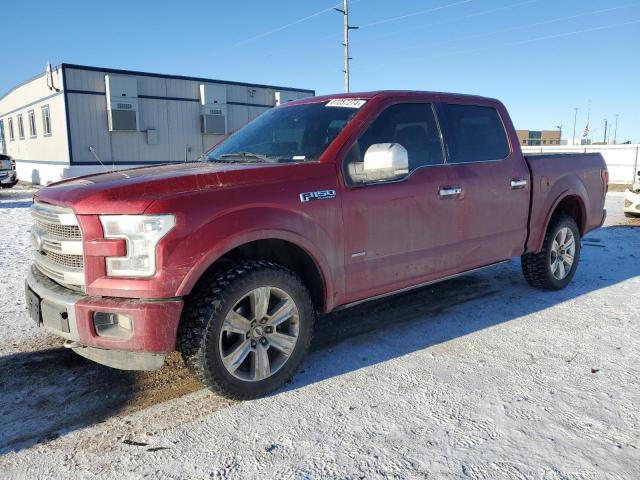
478 377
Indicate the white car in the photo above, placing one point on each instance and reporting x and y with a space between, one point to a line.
632 199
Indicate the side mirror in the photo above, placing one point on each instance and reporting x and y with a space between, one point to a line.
382 161
389 157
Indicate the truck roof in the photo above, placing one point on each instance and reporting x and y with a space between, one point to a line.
442 96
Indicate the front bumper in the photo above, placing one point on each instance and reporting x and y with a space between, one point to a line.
632 202
69 315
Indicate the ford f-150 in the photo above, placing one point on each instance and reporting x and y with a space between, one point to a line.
318 204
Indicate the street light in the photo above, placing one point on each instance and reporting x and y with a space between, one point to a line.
575 118
615 132
560 139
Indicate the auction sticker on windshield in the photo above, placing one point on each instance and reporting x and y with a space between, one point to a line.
346 102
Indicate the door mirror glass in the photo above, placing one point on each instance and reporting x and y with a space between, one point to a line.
382 161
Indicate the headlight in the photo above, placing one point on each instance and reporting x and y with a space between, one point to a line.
142 234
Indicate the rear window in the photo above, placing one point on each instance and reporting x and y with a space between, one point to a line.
474 134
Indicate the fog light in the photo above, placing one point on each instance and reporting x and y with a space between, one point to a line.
113 325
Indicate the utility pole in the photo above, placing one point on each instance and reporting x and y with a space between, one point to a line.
345 42
575 119
605 131
615 132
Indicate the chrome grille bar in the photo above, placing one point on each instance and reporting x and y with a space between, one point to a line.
57 243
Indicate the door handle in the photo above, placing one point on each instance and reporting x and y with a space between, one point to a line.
450 191
518 183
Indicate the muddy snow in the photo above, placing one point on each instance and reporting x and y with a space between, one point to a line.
478 377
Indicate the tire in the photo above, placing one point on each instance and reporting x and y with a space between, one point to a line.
538 268
230 356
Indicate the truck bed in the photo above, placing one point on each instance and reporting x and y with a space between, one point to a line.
554 174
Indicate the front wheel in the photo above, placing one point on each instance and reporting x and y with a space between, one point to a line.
555 265
245 330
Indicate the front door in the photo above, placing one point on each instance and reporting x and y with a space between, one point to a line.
400 232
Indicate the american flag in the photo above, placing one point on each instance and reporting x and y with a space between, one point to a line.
586 131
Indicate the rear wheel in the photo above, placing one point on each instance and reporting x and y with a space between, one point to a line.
246 329
555 265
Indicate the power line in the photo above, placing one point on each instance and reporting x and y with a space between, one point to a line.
546 37
414 14
522 42
282 27
537 24
451 20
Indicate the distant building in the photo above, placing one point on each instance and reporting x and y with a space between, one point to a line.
75 120
536 138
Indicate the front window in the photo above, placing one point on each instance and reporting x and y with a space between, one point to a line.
412 126
298 133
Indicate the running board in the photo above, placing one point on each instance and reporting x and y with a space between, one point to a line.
420 285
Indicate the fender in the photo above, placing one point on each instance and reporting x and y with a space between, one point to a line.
275 224
568 186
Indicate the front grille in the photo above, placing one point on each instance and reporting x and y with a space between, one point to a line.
71 261
60 231
57 242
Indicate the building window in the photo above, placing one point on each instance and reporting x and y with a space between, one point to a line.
32 124
20 127
12 135
46 120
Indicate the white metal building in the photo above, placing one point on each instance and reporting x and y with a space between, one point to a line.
74 119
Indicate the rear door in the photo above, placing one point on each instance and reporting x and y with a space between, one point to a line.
491 180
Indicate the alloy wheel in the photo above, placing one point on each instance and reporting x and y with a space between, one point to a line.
563 252
259 334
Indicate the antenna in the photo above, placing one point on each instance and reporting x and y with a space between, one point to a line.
345 42
93 151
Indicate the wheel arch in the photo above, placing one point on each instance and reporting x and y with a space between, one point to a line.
571 204
283 247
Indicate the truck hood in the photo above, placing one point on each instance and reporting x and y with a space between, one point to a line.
131 191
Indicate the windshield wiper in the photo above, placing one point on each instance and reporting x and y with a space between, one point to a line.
246 155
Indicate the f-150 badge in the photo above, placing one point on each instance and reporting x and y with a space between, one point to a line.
319 195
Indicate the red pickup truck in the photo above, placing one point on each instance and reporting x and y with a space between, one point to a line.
318 204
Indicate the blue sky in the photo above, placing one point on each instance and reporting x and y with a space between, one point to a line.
542 58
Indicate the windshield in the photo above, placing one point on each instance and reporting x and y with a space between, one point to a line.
290 134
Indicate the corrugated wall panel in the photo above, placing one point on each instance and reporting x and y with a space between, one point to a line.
89 126
85 80
182 88
152 86
176 121
184 129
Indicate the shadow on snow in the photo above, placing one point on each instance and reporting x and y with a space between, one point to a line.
66 392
